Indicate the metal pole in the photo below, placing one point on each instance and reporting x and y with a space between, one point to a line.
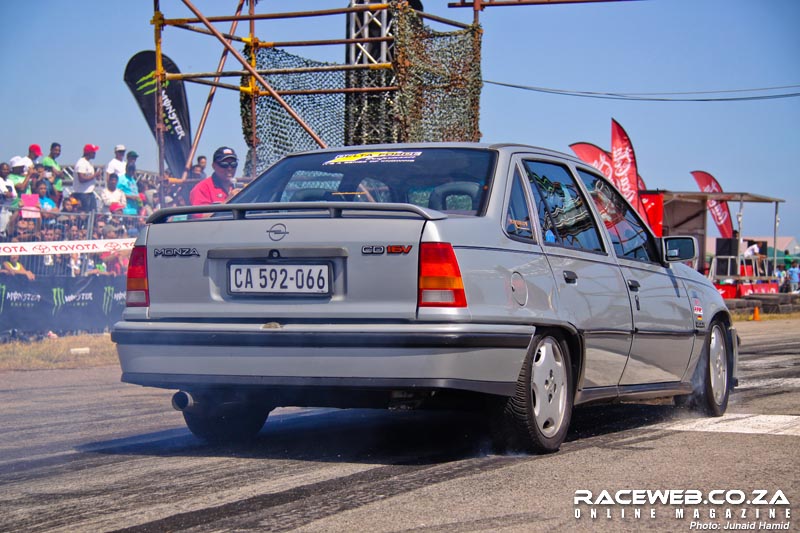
253 72
775 241
739 218
359 90
285 44
158 21
253 94
210 98
271 16
299 70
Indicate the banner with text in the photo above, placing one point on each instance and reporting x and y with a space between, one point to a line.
719 210
92 303
601 160
65 247
140 78
624 162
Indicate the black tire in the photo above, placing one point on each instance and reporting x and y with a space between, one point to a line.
536 419
712 378
236 425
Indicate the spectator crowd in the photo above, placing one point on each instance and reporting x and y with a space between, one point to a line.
43 200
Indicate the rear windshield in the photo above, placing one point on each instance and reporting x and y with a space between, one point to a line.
453 180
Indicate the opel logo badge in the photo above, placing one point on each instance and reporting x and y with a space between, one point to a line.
277 232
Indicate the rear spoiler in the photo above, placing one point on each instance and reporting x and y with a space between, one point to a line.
334 209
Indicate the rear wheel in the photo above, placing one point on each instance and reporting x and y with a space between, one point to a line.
712 378
236 424
537 417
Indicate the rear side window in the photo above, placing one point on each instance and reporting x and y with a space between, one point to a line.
518 217
563 214
453 180
629 236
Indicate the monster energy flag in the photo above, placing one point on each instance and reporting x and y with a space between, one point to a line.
58 304
140 78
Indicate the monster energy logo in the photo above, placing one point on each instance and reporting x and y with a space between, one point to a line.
108 299
147 84
59 299
2 297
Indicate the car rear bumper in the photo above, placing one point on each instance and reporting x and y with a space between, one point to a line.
474 357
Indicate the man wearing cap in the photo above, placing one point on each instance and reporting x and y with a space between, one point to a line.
117 165
218 187
127 184
130 160
34 153
86 179
19 178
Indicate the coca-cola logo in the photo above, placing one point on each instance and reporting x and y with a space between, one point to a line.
623 160
719 210
603 164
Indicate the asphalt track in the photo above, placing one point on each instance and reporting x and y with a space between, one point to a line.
80 451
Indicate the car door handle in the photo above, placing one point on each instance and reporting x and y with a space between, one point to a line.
570 276
633 285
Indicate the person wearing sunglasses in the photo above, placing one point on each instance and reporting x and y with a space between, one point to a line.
218 187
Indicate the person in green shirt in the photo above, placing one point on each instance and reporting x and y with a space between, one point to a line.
54 168
19 178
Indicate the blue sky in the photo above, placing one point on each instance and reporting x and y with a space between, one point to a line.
64 62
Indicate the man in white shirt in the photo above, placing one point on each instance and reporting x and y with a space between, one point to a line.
117 165
34 153
752 250
86 179
112 195
7 195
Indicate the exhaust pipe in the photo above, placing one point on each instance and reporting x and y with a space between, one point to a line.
182 400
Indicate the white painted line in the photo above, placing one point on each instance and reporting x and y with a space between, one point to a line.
769 383
770 361
740 423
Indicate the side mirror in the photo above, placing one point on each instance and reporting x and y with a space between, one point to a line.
679 249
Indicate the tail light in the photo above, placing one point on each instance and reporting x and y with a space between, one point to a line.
440 283
138 294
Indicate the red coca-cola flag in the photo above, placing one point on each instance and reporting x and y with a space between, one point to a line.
653 204
595 156
624 162
640 183
601 160
719 210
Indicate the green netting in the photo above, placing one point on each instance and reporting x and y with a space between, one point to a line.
439 74
438 96
278 133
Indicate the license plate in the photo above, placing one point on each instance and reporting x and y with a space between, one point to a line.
279 279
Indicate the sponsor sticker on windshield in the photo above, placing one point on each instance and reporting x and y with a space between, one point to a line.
374 157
